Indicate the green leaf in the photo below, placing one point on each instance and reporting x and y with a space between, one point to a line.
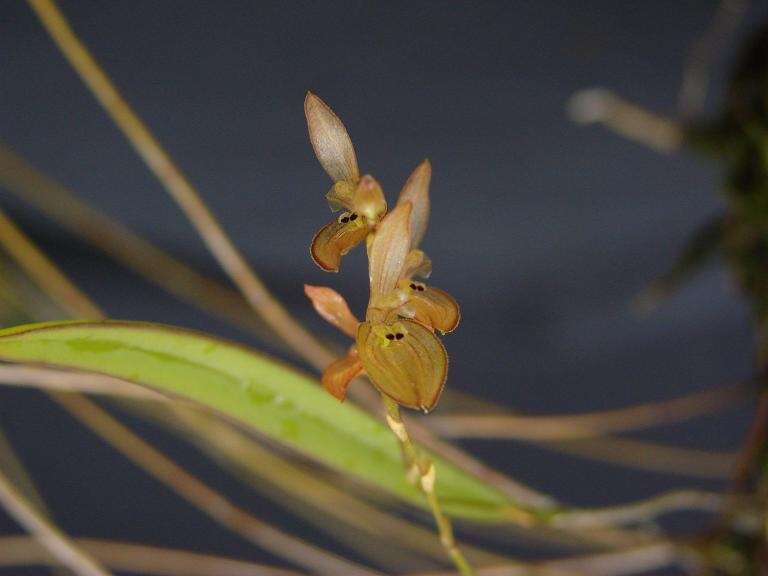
253 389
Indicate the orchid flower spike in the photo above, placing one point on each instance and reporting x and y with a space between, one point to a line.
360 198
396 345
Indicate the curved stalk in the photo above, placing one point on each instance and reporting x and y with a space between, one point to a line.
19 551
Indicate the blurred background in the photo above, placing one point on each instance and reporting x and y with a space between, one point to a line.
544 231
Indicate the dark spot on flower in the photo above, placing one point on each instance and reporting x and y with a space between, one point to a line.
420 288
390 336
345 219
399 336
353 217
413 286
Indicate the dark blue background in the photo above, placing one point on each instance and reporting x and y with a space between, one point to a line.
543 231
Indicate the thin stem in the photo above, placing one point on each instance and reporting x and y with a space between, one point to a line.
18 551
177 185
44 272
635 560
647 456
123 245
55 380
49 536
695 83
591 424
18 474
597 105
421 472
641 511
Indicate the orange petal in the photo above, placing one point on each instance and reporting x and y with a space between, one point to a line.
336 239
330 140
339 374
405 361
417 264
388 251
332 306
432 307
416 191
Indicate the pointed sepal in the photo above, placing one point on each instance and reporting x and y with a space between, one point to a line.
330 141
387 253
337 377
332 306
416 191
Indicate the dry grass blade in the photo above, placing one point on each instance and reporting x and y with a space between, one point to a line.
568 427
129 249
641 511
177 185
19 476
44 272
651 457
47 535
634 560
55 380
20 551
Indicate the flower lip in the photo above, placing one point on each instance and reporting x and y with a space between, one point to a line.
410 369
336 239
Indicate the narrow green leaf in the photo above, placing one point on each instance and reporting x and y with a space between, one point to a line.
253 389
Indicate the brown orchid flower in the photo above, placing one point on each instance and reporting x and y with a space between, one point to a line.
396 344
431 306
360 198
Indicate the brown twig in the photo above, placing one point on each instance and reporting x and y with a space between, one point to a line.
635 560
569 427
647 456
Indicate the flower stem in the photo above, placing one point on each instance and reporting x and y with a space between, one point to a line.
420 471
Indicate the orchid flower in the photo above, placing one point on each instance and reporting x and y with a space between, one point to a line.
403 358
395 345
360 198
431 306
